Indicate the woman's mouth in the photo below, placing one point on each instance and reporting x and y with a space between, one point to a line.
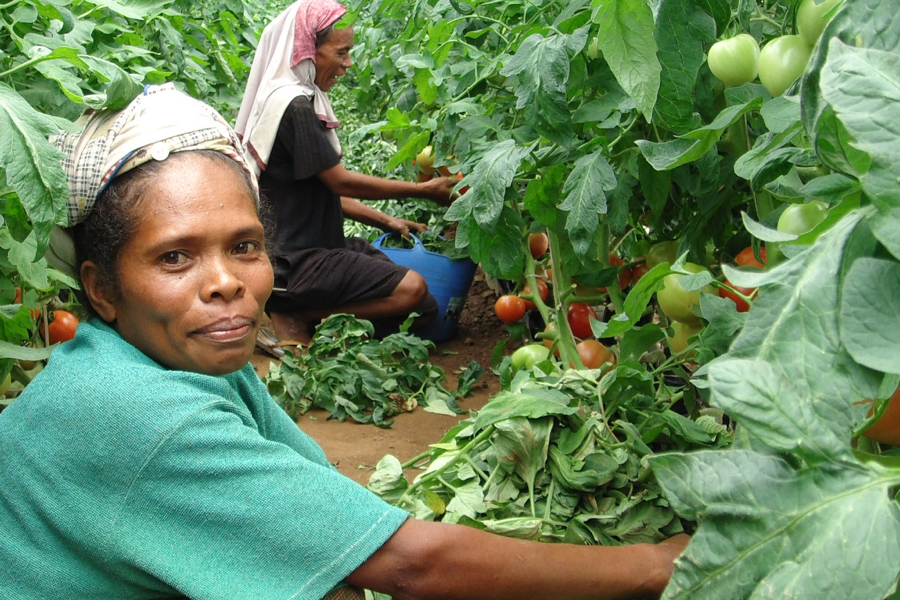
227 330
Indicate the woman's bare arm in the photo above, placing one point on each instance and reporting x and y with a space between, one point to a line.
357 185
431 561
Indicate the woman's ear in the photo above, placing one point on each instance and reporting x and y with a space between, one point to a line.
98 293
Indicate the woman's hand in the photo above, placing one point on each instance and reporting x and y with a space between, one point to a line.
439 190
402 226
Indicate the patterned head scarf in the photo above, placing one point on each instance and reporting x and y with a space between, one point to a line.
284 68
157 123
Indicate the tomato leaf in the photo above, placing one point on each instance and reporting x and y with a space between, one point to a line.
584 198
869 314
32 164
682 32
625 38
861 86
771 530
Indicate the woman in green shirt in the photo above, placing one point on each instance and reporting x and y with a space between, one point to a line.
148 461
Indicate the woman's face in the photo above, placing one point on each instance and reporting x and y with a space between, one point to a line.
333 57
195 277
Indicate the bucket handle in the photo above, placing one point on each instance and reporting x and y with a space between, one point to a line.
417 243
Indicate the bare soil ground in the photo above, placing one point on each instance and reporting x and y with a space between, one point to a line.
355 449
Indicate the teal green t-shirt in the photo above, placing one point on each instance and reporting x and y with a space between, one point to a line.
122 479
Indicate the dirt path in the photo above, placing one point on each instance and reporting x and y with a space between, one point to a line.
355 449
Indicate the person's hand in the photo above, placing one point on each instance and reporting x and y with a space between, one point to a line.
439 189
665 553
403 226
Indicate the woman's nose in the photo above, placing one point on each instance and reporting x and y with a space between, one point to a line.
222 280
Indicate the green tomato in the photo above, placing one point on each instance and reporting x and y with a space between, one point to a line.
676 302
734 60
662 252
681 333
593 49
782 61
528 356
812 18
797 219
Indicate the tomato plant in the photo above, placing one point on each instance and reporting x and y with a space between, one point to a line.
538 244
798 219
746 258
739 302
781 61
543 291
676 302
579 317
509 308
812 18
4 385
734 60
62 327
529 355
594 354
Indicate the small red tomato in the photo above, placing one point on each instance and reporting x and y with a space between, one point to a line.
746 258
538 244
638 271
543 290
509 308
580 319
739 302
62 327
593 354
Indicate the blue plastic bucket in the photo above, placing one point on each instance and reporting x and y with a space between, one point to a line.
448 281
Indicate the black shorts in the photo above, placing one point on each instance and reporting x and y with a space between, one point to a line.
319 278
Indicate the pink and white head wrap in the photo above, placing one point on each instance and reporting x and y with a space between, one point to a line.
284 68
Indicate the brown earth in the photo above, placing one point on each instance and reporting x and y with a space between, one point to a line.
355 448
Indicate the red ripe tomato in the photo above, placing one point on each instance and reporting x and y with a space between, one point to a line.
625 275
741 304
543 290
746 258
580 319
886 430
538 244
638 271
62 327
593 354
509 308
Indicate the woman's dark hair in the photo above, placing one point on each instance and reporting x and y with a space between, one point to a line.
323 33
113 220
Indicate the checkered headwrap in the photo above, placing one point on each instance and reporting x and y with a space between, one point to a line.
157 123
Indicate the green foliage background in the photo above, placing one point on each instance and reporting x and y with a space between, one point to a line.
599 122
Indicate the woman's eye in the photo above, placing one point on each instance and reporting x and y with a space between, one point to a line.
246 247
173 258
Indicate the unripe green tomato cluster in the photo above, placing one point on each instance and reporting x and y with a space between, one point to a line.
781 61
734 60
676 302
798 219
529 355
812 18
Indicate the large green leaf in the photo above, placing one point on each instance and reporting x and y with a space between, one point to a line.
584 198
683 31
771 530
870 314
861 86
625 38
32 164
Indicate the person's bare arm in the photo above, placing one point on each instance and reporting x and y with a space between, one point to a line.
432 561
357 185
358 211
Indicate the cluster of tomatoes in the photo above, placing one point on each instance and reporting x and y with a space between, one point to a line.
738 60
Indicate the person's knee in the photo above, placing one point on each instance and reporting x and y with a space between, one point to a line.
411 292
